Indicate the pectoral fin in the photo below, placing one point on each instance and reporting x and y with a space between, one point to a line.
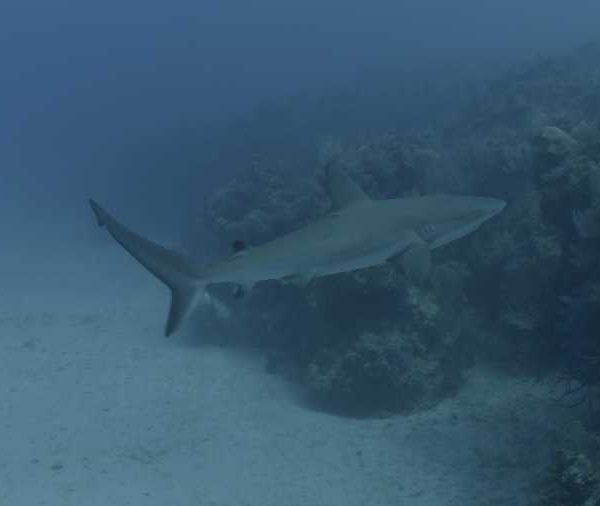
416 262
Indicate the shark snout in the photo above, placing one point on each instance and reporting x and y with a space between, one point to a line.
488 207
495 206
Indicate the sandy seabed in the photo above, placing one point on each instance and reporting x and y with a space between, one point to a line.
97 408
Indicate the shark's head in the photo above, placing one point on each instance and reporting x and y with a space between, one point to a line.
448 218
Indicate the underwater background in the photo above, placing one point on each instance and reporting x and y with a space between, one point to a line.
201 124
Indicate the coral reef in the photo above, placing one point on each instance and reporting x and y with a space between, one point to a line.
378 373
261 204
523 291
572 480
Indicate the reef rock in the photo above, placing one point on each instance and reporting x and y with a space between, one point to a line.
555 142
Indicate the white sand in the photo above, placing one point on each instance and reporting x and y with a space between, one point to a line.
97 408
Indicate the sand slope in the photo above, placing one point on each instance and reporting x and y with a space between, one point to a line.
97 408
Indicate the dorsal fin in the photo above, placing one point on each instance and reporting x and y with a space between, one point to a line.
342 189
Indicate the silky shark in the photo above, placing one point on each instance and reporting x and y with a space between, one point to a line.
358 233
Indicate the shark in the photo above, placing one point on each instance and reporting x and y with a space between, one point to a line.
357 233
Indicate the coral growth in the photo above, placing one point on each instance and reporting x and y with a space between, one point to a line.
378 374
522 291
572 480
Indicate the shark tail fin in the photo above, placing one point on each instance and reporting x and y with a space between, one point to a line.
175 270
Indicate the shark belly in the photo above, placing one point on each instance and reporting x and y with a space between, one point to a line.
363 258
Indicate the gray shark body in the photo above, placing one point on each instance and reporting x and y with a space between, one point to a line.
359 233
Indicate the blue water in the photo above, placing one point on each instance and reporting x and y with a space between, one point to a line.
168 112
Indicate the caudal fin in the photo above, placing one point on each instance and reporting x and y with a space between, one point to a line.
173 269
